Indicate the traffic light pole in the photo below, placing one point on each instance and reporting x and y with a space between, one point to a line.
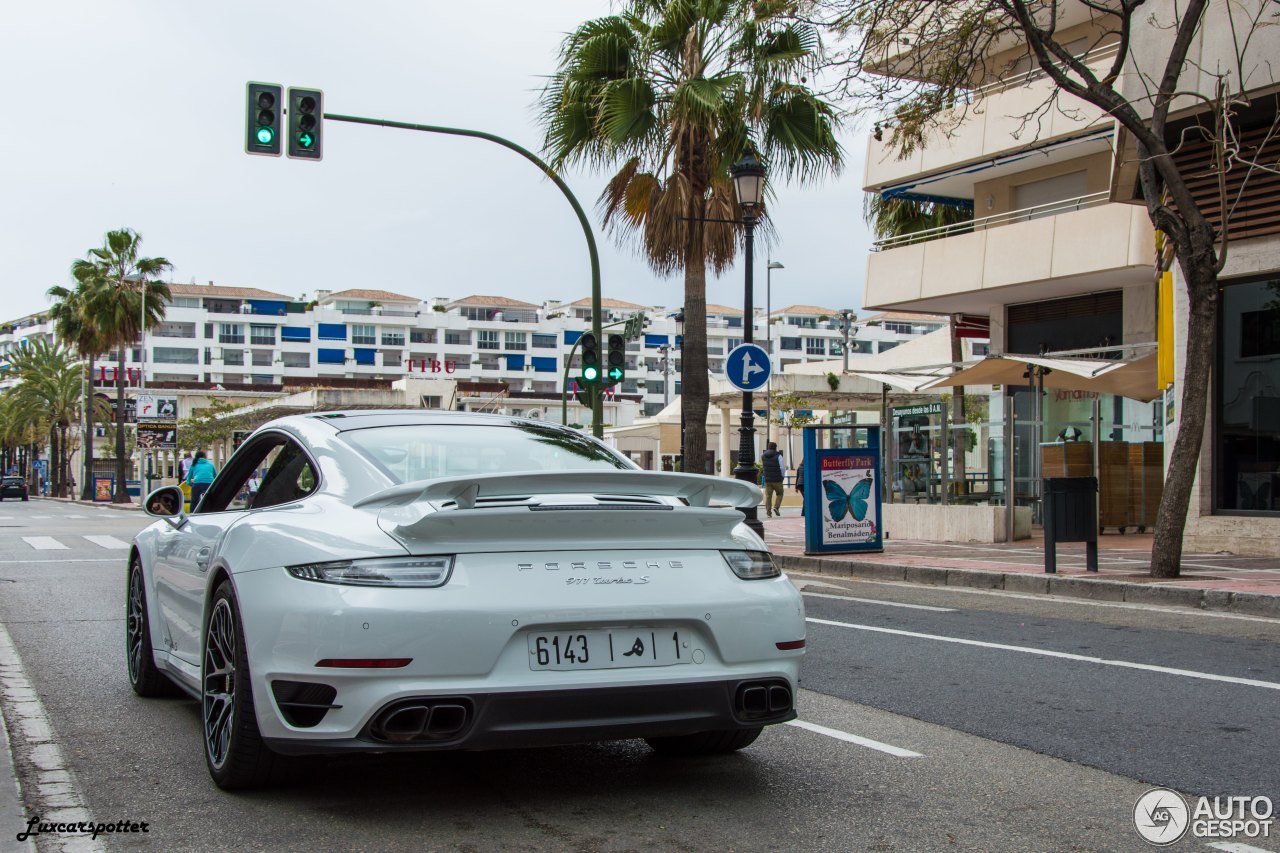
597 401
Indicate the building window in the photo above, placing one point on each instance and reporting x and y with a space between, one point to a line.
979 350
733 342
422 336
175 355
1247 408
297 359
233 356
885 346
733 322
262 336
361 334
837 347
516 341
261 357
544 341
176 330
393 337
815 346
230 333
185 302
457 338
486 339
472 312
790 344
391 359
896 327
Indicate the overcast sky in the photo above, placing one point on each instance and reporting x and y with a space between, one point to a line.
132 114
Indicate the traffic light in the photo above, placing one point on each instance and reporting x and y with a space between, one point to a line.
582 393
306 118
262 119
616 368
590 359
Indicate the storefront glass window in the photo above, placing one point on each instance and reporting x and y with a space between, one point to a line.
1247 461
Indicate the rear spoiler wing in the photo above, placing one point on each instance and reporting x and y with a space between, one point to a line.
698 489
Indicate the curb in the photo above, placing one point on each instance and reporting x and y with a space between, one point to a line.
78 502
1093 589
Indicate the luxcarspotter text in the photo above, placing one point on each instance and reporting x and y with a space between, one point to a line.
90 828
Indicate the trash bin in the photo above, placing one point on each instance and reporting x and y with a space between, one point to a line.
1070 515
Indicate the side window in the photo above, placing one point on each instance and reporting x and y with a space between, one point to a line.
271 470
286 475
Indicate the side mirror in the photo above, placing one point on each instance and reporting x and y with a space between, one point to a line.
166 502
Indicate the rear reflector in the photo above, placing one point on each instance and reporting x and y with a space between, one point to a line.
790 644
365 663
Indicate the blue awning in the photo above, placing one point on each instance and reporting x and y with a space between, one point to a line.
267 306
301 334
331 331
571 337
543 365
366 356
653 341
515 362
331 356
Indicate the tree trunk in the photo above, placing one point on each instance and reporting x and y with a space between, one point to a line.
1184 459
86 486
64 462
121 493
51 463
695 387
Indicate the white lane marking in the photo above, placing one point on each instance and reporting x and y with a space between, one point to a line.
44 543
75 516
860 741
39 516
107 541
1237 847
878 601
1052 599
55 791
1147 667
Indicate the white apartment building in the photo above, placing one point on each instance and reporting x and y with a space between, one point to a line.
501 348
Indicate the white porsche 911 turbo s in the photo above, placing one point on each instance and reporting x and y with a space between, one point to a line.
388 581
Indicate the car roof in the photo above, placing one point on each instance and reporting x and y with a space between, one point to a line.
366 418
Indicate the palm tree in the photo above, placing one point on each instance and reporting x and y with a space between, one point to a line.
119 285
898 216
49 389
74 321
673 93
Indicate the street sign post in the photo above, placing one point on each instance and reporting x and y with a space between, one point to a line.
747 367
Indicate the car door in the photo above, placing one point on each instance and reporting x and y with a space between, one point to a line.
186 553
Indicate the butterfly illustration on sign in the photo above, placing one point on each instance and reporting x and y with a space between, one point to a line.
852 502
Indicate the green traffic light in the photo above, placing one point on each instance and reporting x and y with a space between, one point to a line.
590 374
306 140
615 373
265 135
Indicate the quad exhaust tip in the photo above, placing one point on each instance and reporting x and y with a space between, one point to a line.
422 720
763 699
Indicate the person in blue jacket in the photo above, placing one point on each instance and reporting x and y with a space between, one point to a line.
199 476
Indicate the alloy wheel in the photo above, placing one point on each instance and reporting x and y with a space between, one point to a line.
219 682
135 625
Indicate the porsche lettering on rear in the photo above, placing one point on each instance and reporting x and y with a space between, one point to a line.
601 565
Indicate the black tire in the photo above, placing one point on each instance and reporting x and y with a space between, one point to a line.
705 743
145 677
233 748
24 497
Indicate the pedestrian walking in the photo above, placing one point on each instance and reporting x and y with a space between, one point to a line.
774 468
800 483
184 467
199 476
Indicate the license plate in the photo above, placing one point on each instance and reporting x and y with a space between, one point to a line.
612 649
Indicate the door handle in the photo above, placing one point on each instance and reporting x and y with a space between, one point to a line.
202 559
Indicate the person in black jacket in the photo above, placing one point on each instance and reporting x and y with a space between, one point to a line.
800 483
774 466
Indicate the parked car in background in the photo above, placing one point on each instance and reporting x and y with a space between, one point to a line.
13 487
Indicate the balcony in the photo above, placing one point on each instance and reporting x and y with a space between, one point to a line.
993 127
1024 255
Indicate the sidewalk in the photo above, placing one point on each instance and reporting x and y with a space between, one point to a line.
1247 585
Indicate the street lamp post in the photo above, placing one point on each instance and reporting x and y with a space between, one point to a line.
846 316
768 343
748 180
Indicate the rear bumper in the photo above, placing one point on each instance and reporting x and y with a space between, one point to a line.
552 717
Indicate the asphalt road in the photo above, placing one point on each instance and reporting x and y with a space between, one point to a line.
912 743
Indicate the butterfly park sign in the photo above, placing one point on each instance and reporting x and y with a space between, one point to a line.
842 507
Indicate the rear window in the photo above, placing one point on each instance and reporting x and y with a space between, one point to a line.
425 451
13 481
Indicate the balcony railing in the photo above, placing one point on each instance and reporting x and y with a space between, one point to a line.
1097 55
1026 214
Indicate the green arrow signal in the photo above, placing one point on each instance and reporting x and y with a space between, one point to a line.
306 140
615 373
